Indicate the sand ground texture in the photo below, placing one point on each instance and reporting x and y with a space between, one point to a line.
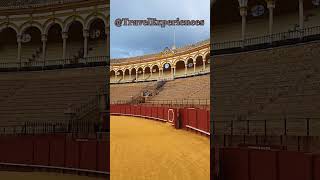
41 176
143 149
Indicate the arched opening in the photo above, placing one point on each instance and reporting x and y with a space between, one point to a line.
126 75
133 74
207 58
120 76
75 49
180 68
147 73
54 49
8 45
31 47
199 64
167 70
155 72
140 73
97 45
190 65
112 76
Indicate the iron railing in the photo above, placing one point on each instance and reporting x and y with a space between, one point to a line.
269 127
55 64
19 4
169 102
30 128
296 35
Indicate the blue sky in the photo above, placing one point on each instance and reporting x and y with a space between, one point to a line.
130 41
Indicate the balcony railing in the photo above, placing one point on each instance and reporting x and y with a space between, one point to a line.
311 33
54 64
18 4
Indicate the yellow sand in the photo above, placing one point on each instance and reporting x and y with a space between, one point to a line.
144 149
41 176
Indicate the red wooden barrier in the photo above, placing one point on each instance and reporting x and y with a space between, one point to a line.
57 154
87 156
263 165
234 164
294 165
41 151
192 117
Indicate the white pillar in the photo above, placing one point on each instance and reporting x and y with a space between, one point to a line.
243 13
194 67
85 43
137 75
185 68
143 71
159 73
204 64
44 48
301 15
271 6
130 74
64 50
19 49
123 75
151 72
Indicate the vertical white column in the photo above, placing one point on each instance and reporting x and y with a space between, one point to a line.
123 75
44 48
243 12
85 43
204 64
301 15
194 67
130 75
271 6
19 48
64 50
185 68
143 72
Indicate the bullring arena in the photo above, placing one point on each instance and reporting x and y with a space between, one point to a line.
265 87
160 123
53 98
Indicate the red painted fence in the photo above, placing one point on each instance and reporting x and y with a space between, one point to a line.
190 118
254 164
55 150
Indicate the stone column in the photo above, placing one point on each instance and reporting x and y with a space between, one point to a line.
271 6
301 15
130 75
44 48
137 75
123 75
151 72
64 38
194 67
143 71
185 68
204 64
19 49
243 12
85 43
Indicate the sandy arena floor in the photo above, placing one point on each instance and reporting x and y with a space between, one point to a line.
41 176
144 149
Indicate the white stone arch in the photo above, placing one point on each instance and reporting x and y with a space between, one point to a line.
70 20
29 24
6 25
50 22
178 60
94 16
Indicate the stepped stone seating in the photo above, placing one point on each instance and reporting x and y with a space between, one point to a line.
125 92
45 96
190 88
271 85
